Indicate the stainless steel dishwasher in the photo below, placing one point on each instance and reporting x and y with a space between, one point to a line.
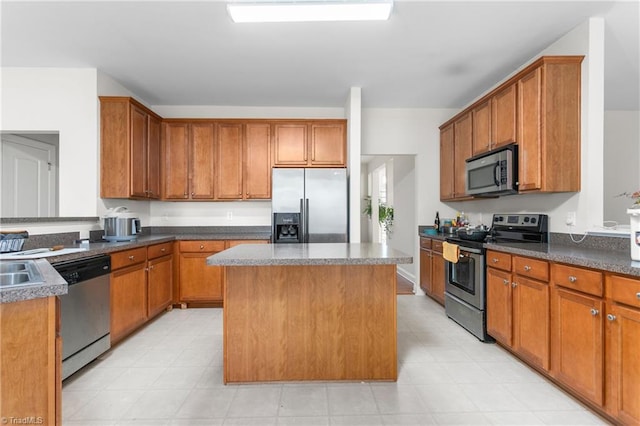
85 311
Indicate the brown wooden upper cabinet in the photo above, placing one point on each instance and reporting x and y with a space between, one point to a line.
310 143
455 148
189 153
539 110
129 149
549 125
243 161
494 120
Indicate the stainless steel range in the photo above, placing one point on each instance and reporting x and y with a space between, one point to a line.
465 286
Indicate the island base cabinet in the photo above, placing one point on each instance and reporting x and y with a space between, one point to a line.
577 343
324 322
623 364
30 362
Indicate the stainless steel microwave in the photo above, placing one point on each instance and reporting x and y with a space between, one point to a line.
493 173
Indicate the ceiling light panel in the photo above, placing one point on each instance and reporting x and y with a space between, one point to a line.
310 11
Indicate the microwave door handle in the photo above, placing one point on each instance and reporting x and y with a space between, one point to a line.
496 170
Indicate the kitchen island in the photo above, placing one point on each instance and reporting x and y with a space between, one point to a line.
298 312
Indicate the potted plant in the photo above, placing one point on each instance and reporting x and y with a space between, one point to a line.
385 214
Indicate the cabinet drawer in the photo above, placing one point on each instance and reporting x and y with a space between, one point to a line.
577 278
533 268
624 290
233 243
158 250
128 258
498 260
425 243
201 246
436 245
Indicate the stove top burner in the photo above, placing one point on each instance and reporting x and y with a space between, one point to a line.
514 228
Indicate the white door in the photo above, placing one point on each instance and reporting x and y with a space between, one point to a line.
28 177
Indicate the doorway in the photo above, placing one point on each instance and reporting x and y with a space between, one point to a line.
29 175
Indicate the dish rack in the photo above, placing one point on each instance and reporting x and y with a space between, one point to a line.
11 241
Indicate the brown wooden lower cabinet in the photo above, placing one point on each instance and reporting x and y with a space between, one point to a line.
160 282
577 336
140 288
199 282
128 299
622 354
518 306
30 361
432 264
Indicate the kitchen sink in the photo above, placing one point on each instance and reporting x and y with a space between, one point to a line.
19 273
6 268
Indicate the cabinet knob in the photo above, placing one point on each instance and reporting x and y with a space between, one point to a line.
163 249
572 279
611 317
193 194
131 257
594 312
514 284
495 260
201 247
505 282
186 194
638 296
151 267
527 268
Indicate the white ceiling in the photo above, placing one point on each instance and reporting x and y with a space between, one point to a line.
439 54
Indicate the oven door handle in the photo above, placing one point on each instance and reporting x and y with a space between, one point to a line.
469 250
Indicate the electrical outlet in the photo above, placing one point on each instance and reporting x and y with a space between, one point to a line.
229 215
571 218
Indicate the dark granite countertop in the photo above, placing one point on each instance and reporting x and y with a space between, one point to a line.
617 261
309 254
53 285
609 254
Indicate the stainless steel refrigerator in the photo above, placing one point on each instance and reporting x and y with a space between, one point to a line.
309 206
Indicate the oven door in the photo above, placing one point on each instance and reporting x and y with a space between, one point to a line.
465 279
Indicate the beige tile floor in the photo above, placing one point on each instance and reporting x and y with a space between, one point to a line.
170 373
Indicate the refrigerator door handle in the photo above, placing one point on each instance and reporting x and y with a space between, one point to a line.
302 238
306 220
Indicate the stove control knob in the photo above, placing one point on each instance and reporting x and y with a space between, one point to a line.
533 220
526 219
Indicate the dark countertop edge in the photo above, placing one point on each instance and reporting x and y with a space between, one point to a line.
54 285
613 261
308 262
438 236
94 249
8 220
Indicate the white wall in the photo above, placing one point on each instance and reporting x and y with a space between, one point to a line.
621 162
64 101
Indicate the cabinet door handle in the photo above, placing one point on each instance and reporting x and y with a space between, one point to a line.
611 317
495 260
594 312
527 268
514 284
131 258
505 282
572 279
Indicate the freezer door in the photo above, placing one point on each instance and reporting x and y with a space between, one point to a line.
287 190
326 205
